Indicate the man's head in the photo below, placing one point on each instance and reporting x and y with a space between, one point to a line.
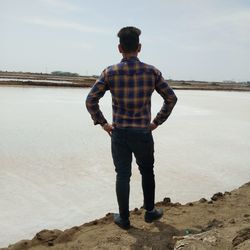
129 40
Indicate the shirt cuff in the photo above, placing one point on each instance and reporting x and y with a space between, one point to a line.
101 122
156 122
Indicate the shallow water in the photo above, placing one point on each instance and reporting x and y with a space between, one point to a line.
56 169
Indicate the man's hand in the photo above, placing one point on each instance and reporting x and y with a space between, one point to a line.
108 128
153 126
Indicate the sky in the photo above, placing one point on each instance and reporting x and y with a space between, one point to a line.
185 39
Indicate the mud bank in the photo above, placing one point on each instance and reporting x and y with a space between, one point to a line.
223 222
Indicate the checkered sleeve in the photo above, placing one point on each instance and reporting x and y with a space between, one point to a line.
92 101
169 97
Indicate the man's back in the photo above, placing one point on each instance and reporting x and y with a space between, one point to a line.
131 83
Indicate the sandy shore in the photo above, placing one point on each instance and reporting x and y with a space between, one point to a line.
49 80
220 223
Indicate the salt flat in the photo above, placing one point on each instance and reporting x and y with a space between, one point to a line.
56 169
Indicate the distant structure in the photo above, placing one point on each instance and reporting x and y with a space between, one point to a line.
229 81
63 73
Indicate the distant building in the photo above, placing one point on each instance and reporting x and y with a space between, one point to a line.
63 73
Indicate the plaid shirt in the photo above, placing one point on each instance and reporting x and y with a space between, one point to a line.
131 84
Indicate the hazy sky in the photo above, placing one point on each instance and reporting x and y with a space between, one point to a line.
185 39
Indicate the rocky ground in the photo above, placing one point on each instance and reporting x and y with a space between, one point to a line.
220 223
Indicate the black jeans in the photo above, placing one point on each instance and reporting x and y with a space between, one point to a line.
126 141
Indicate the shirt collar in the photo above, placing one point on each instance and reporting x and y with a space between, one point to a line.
132 58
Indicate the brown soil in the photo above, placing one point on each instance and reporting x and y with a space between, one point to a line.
220 223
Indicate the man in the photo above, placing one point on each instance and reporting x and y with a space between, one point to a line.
131 83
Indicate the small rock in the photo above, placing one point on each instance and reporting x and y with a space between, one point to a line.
217 196
190 204
210 202
50 243
166 201
227 193
203 200
213 224
137 211
232 221
47 235
241 236
246 215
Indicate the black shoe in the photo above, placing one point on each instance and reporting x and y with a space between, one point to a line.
154 215
122 223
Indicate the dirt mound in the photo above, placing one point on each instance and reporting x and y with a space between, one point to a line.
221 223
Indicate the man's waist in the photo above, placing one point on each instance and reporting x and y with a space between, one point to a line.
133 127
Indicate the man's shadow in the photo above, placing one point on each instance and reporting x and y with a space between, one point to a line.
159 240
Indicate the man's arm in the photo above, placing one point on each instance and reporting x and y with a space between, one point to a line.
92 100
169 97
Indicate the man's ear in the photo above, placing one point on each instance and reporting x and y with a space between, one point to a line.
120 48
139 47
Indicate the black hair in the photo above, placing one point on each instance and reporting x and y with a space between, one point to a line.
129 38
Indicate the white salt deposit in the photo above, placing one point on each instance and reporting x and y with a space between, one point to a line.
56 169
